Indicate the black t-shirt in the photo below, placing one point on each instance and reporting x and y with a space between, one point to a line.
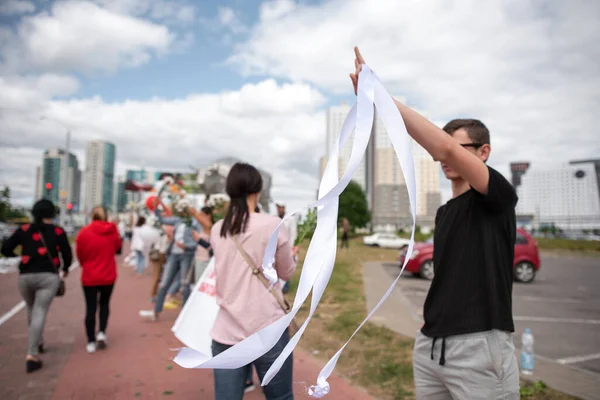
473 251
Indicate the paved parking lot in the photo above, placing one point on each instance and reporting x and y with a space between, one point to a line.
562 308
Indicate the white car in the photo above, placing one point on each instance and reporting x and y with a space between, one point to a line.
386 240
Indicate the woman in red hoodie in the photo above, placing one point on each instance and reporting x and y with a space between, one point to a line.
97 245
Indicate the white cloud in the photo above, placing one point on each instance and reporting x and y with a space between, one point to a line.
529 70
81 36
172 12
277 127
272 10
16 7
230 19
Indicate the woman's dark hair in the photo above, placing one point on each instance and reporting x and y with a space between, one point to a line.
43 209
243 180
141 221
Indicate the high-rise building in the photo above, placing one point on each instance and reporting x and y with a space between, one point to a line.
517 170
99 174
363 175
140 176
50 175
120 200
566 196
38 183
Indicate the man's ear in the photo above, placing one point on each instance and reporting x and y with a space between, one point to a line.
484 152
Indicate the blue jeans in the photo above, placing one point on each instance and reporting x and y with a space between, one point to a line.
140 262
175 263
229 383
174 288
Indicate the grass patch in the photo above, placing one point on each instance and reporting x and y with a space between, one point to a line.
586 246
377 359
539 390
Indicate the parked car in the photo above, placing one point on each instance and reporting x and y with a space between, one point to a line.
526 262
6 230
387 240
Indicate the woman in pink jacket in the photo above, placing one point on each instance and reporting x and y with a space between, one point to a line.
246 306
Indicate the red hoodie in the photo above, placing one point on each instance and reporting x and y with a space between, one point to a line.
96 247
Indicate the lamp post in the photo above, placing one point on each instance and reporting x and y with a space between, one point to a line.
64 186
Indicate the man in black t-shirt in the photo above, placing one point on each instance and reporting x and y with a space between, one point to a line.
465 348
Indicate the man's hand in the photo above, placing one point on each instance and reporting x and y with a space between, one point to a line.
295 250
358 62
180 245
65 273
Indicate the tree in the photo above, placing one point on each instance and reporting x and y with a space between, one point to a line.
306 228
354 206
4 204
6 210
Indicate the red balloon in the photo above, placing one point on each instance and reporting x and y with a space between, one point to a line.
152 202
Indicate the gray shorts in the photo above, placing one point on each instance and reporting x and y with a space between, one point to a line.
475 366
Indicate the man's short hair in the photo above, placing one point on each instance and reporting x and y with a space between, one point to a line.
476 130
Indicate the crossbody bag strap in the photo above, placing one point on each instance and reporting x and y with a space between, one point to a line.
285 306
47 249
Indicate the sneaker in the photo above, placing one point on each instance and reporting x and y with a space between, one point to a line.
148 314
91 347
249 387
101 340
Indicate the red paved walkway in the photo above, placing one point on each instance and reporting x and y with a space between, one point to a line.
137 363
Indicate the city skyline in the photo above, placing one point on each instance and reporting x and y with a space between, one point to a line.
192 83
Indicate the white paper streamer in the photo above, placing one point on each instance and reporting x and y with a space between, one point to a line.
320 258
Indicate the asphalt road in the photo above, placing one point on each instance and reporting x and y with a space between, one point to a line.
561 307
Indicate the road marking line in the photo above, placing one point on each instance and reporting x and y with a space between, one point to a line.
578 359
13 311
558 320
547 299
21 305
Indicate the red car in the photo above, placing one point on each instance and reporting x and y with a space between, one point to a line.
526 264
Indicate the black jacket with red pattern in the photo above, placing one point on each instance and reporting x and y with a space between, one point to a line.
34 255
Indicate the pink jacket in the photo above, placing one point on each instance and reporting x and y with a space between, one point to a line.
245 304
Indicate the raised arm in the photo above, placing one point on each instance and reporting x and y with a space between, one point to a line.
438 143
202 218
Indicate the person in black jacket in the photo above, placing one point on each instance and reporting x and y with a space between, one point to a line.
42 245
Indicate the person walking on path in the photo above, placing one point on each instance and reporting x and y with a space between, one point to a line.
180 254
465 348
42 243
292 228
345 232
144 238
240 239
97 245
158 258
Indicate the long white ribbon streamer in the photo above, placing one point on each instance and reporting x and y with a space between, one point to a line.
320 258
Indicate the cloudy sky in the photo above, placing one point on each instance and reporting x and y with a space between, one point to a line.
175 83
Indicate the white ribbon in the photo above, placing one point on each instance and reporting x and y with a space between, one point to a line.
320 258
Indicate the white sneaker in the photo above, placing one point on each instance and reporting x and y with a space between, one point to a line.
148 314
101 340
91 347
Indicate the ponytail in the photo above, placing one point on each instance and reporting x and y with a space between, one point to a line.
236 219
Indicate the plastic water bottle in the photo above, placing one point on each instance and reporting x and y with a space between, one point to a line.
527 359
